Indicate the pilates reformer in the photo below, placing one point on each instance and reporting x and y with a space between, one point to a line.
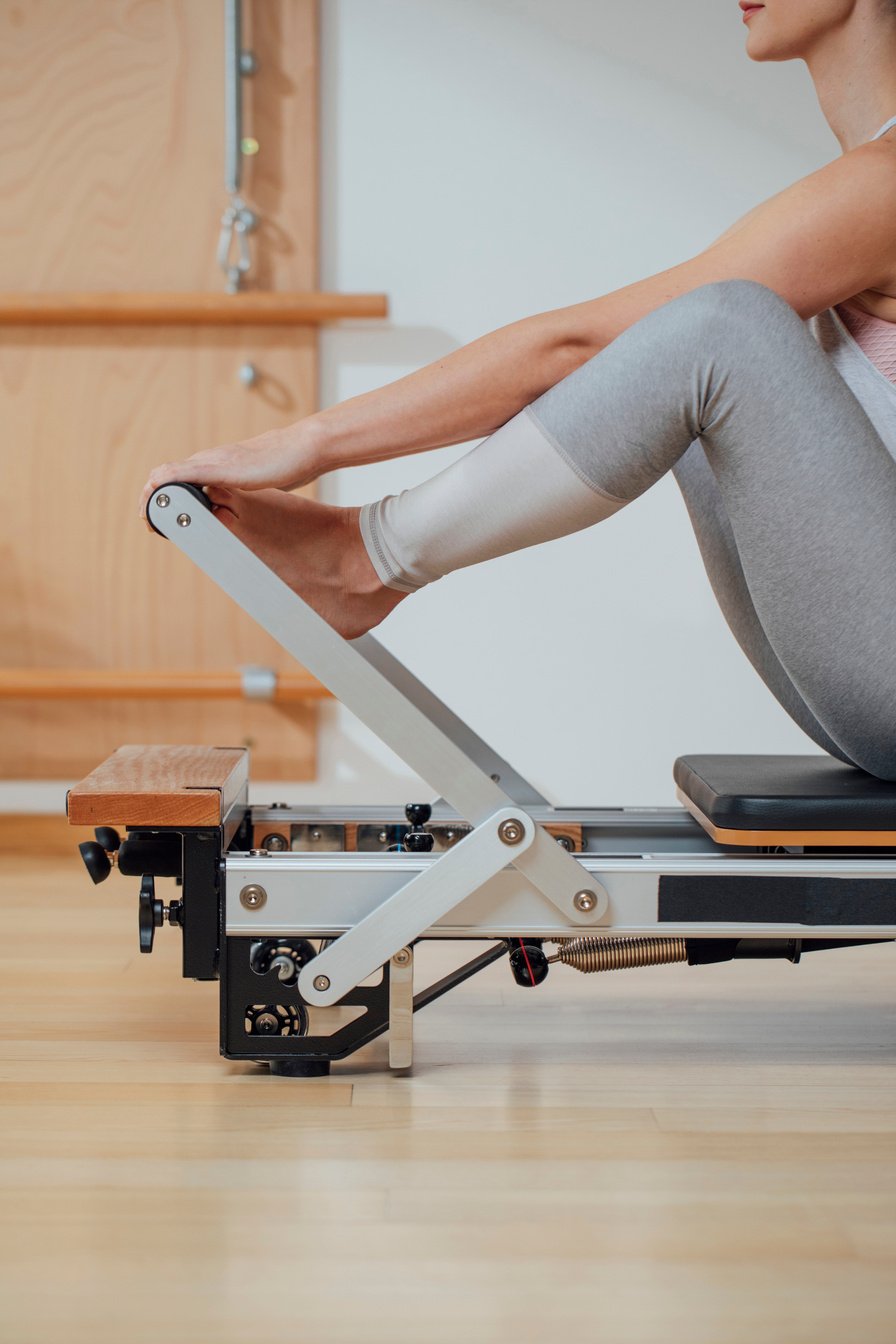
309 917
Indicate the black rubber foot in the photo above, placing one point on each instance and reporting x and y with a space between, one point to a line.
300 1068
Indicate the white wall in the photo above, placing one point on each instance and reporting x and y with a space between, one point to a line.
487 159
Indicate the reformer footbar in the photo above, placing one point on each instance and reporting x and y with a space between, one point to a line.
491 860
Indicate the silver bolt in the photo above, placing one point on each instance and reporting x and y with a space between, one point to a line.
275 843
248 63
267 1023
257 853
584 901
511 831
248 375
315 834
163 501
403 957
183 520
321 982
383 837
253 897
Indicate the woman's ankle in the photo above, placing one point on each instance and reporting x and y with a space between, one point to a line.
359 573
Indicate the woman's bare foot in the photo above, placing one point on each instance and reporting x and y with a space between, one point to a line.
314 548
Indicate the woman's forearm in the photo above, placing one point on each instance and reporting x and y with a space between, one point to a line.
466 395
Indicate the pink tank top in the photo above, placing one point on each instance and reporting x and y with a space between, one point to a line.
874 336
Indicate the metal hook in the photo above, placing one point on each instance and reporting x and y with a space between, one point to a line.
237 222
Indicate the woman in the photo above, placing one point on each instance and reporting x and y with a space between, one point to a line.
761 372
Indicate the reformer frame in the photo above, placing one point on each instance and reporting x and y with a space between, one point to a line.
647 885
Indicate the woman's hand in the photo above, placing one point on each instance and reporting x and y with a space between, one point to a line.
281 458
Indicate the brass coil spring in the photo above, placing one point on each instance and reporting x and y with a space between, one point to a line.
619 954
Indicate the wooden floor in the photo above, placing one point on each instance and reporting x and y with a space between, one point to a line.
674 1154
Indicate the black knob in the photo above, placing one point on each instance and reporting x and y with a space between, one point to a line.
529 964
418 842
96 860
108 837
418 814
150 914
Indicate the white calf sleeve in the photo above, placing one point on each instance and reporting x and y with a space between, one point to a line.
515 489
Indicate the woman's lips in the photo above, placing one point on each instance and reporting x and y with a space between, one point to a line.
750 10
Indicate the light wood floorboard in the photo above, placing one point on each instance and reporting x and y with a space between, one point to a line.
703 1156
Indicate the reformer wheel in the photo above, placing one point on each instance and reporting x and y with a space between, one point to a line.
276 1019
286 956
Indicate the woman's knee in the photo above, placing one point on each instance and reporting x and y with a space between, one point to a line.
729 305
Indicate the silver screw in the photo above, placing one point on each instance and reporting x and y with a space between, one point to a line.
511 831
267 1022
257 853
274 842
321 982
383 837
183 520
584 901
403 957
253 897
248 375
248 63
163 501
315 834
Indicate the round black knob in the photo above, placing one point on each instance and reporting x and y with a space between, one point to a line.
529 964
108 837
96 860
418 814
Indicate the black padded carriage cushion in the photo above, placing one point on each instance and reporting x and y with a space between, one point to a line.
785 793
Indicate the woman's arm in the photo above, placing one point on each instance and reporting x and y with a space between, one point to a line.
823 240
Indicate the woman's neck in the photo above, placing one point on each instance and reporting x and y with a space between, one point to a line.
853 69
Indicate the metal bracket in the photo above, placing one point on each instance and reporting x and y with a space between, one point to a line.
401 1009
259 683
505 837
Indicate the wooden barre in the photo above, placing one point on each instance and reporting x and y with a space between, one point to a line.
38 683
149 309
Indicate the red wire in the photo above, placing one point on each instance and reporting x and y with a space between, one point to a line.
528 963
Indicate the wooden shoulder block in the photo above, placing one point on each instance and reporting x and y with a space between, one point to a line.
161 786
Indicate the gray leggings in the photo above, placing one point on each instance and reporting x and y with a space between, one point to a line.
789 487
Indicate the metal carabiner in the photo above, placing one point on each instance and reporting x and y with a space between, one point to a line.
237 222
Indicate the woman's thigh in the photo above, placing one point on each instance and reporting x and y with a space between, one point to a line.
718 549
